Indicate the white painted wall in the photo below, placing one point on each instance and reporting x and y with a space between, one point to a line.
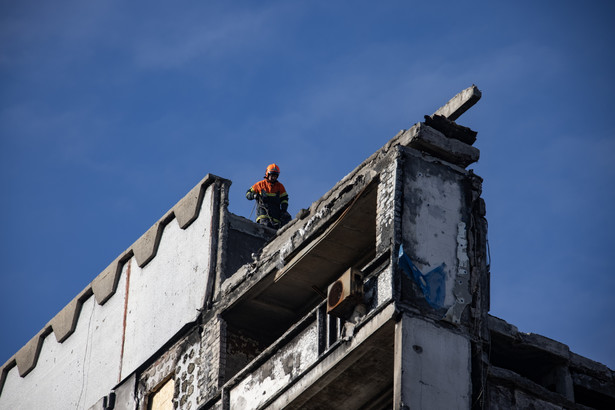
162 297
78 372
166 293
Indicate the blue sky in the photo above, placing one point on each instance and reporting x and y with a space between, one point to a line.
110 111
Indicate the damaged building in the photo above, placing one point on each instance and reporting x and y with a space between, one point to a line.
376 297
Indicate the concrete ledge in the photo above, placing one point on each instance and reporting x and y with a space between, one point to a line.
534 340
451 129
105 284
331 364
146 246
65 322
502 327
244 225
583 364
515 382
27 356
548 345
433 142
187 209
603 386
4 370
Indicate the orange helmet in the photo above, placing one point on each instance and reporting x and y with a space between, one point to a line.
272 169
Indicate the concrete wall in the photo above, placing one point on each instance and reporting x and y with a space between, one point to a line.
166 293
432 366
77 372
139 324
277 372
389 195
434 225
124 317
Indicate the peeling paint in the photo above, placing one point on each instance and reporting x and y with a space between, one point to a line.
277 372
461 288
423 202
463 266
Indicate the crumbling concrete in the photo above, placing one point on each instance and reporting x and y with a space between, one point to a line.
460 103
526 365
234 315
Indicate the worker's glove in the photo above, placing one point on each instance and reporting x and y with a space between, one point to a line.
250 195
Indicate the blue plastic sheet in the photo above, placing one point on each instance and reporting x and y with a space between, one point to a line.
432 284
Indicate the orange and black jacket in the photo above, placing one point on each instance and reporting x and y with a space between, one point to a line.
272 199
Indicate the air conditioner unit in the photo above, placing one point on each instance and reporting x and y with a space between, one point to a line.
345 293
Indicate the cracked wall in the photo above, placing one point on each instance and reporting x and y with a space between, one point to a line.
435 218
117 345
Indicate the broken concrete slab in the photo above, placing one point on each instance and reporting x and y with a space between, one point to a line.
460 103
535 340
433 142
227 339
502 327
603 386
596 369
546 344
523 390
451 129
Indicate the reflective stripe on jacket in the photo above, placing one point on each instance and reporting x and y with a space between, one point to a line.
273 198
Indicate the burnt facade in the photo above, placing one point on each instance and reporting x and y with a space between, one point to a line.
375 297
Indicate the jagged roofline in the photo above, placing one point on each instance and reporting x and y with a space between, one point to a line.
104 286
187 210
424 139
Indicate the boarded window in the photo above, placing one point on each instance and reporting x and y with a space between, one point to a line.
162 399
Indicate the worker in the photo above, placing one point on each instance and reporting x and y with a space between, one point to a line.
272 199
